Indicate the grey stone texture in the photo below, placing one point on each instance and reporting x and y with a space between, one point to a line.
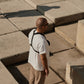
36 3
80 36
56 41
6 27
22 14
61 12
68 32
79 4
5 76
58 61
70 67
13 45
24 70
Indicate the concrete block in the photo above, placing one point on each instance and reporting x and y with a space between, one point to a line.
14 45
6 27
24 70
61 12
80 36
22 15
12 7
5 76
79 4
35 3
68 32
56 41
58 61
69 71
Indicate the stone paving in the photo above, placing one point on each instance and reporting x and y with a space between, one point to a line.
18 17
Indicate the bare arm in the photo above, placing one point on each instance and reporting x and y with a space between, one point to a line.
45 64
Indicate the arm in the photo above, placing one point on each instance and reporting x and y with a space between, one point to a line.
44 62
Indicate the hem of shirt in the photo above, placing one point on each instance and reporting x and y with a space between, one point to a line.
36 68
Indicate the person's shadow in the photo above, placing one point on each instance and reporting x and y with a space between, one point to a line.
26 13
17 75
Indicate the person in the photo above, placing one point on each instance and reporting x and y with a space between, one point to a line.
38 53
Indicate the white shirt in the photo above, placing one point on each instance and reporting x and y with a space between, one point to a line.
39 44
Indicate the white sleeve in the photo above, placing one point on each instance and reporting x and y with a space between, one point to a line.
42 47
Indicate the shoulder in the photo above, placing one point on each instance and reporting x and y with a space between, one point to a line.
31 32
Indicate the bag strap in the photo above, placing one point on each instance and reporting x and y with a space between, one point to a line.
33 37
32 41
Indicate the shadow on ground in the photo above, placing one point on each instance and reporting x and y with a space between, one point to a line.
17 75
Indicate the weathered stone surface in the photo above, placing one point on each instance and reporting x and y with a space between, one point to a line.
22 14
80 36
57 43
6 27
35 3
79 4
5 76
61 12
70 65
12 7
68 32
23 72
58 61
14 45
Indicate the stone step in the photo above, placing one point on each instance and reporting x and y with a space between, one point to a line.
35 3
61 12
14 48
23 15
78 64
5 76
6 27
22 72
68 32
57 43
79 4
58 61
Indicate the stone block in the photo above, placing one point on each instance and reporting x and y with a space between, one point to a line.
80 36
35 3
61 12
79 4
5 76
23 15
14 47
6 27
57 43
58 61
24 69
68 32
69 69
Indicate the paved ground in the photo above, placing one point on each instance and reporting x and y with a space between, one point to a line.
17 18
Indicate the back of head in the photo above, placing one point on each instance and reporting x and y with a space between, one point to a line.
41 22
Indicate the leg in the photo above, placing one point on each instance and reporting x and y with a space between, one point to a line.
39 77
32 76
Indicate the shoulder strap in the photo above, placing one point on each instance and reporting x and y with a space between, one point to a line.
32 41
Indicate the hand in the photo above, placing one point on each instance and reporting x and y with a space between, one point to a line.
46 72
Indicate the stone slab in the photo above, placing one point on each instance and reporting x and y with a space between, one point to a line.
24 70
35 3
79 4
58 61
70 65
6 27
5 76
61 12
22 14
13 47
57 43
80 34
68 32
